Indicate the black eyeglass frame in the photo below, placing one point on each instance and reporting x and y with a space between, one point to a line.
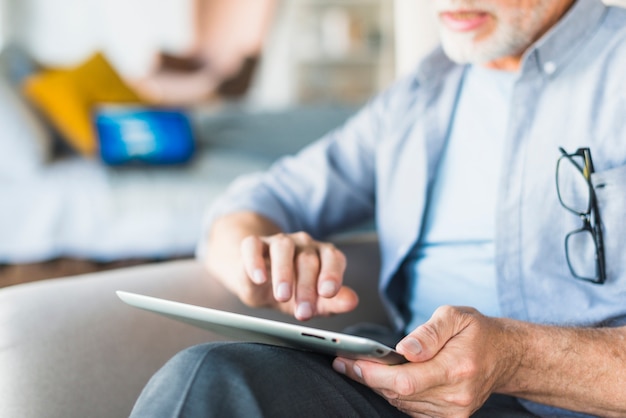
594 228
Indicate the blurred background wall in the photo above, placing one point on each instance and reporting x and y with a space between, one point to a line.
300 68
317 50
62 32
312 64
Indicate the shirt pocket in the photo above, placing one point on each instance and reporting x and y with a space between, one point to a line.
610 190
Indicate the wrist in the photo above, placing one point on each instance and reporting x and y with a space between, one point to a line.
514 346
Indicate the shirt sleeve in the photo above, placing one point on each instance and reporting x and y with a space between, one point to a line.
327 187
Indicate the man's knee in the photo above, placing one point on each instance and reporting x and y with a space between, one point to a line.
222 379
183 375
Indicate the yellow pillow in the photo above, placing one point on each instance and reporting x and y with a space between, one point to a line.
67 97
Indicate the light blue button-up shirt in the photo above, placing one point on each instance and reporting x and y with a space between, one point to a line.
453 263
571 92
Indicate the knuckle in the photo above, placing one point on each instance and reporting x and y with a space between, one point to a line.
282 239
462 399
459 312
460 315
309 251
308 256
331 249
446 310
470 310
282 273
302 237
403 385
467 369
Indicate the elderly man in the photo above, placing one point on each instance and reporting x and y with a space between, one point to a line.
504 304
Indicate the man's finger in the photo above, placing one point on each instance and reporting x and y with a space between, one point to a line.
333 266
282 249
403 381
252 254
307 270
344 301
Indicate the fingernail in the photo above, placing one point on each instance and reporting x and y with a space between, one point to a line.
339 366
304 310
411 345
258 276
283 292
327 288
357 371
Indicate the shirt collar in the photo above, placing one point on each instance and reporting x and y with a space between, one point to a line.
433 67
560 43
548 54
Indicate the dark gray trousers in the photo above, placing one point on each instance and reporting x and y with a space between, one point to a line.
255 380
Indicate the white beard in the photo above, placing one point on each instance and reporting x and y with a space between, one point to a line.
514 32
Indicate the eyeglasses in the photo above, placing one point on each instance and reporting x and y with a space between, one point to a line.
584 247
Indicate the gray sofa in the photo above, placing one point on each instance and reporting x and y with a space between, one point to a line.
70 348
81 208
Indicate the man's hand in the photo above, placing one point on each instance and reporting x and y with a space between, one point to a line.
295 273
456 360
290 272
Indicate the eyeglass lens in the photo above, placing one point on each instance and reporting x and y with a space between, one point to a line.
581 253
573 188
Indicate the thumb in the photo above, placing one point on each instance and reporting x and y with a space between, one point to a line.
423 343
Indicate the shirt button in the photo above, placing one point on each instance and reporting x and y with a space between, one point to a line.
549 67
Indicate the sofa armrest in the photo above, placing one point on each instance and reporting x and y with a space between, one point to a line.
70 348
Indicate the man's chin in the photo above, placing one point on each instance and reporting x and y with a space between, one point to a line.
471 52
466 49
467 55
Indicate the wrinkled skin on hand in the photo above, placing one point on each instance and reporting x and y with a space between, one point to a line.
456 360
294 273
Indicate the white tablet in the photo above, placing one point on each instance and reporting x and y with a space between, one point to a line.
252 329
